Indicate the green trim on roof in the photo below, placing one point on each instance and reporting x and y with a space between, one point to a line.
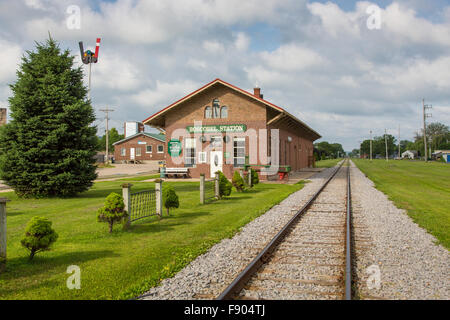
160 137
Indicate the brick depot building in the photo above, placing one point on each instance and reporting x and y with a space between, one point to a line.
142 147
235 129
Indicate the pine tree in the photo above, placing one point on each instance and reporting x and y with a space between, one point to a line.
170 199
48 147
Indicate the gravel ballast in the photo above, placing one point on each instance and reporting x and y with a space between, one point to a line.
209 274
395 258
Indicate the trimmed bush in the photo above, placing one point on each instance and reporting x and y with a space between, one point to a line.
113 211
39 236
224 185
255 178
170 199
238 182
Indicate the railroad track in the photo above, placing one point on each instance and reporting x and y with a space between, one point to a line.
310 258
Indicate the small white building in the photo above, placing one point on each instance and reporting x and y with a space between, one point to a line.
410 154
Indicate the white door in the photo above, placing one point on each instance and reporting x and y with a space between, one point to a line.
216 161
132 153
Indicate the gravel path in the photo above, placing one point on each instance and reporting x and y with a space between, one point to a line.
396 259
209 274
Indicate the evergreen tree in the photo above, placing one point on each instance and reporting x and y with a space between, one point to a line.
224 185
49 145
113 211
238 182
170 199
39 236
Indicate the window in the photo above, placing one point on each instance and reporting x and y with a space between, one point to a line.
123 152
208 113
138 152
148 149
160 148
216 108
239 152
224 112
189 152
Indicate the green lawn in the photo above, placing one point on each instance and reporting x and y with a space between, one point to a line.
423 189
327 163
123 264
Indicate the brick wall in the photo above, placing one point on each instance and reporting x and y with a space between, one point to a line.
134 143
241 110
2 116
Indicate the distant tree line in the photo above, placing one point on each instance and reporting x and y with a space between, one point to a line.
438 139
113 137
325 150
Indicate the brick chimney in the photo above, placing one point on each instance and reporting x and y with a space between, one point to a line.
257 93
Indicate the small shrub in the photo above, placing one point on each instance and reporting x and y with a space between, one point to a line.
39 236
224 185
113 210
238 182
255 178
170 199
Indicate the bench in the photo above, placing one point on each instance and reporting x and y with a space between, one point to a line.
177 171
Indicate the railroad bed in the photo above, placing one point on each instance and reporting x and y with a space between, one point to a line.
309 262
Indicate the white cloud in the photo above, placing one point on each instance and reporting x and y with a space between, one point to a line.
242 42
291 58
164 93
10 55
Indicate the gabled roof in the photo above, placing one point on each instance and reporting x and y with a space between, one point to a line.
159 137
216 81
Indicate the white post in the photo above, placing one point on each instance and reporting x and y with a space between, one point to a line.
202 188
3 233
158 195
126 194
385 142
250 177
217 186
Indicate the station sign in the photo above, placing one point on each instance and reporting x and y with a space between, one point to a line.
217 128
174 147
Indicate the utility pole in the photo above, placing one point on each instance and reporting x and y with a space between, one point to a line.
360 149
425 116
370 145
107 111
399 141
385 142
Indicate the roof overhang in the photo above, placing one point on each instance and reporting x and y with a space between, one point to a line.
155 119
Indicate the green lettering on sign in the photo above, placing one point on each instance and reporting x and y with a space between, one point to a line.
174 147
217 128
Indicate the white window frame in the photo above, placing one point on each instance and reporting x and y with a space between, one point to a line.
123 152
138 152
151 149
202 157
160 145
190 143
234 148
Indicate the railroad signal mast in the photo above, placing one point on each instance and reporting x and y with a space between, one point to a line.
425 116
89 57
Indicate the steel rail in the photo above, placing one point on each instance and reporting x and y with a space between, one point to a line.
348 248
239 282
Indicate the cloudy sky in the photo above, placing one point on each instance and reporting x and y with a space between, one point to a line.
343 67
